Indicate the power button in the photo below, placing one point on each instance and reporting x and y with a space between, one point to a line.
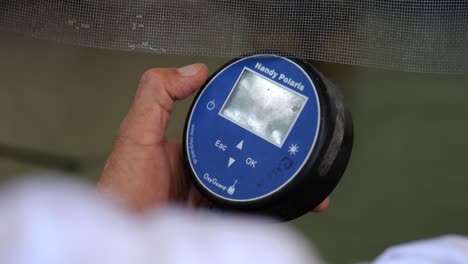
210 105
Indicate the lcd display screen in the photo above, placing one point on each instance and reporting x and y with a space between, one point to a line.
263 107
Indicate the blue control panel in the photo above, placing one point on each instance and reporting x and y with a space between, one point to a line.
253 127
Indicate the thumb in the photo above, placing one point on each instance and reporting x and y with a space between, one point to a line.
148 117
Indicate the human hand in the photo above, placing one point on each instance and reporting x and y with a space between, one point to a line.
145 169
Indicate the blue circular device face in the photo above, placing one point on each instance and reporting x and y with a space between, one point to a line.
252 128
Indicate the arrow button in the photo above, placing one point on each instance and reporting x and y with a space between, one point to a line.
231 161
240 145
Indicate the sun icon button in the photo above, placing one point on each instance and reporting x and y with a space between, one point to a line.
293 149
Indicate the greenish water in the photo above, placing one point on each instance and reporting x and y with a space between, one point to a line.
408 176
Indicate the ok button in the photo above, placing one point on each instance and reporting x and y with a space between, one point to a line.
250 162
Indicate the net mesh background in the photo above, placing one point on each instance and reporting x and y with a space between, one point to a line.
417 36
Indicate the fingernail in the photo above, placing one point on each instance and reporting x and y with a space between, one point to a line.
189 70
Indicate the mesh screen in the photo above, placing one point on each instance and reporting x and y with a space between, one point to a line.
408 35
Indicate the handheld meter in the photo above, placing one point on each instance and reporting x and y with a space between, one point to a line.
267 134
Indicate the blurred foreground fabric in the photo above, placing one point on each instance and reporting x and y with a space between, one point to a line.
55 220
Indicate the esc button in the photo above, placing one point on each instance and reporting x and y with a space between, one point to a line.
220 145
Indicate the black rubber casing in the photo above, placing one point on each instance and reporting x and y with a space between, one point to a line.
321 172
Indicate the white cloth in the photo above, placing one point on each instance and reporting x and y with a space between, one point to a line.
53 221
56 221
449 249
